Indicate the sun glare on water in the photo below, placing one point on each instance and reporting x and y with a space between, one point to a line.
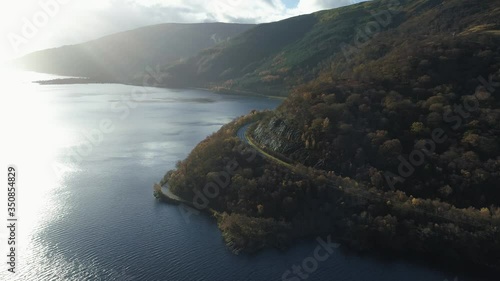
32 136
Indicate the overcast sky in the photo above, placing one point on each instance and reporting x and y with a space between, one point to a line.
31 25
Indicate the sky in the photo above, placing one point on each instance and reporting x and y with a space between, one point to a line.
31 25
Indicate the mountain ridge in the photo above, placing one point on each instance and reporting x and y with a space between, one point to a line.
121 56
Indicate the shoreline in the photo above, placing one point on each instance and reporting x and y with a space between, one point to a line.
474 268
86 80
240 93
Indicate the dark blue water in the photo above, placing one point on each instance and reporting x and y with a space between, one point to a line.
95 218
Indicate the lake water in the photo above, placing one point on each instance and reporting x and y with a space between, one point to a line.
87 157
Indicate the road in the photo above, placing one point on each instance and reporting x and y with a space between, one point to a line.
174 198
241 134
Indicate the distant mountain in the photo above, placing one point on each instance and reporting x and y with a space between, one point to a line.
273 58
122 55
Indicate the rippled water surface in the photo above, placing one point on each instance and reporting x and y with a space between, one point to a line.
86 206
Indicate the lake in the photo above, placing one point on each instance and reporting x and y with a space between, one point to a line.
87 158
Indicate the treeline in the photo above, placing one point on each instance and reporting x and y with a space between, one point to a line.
264 204
443 146
395 147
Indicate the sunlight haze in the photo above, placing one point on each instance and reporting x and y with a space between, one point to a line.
33 25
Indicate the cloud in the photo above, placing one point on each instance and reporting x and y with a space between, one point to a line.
242 11
137 12
80 21
310 6
114 16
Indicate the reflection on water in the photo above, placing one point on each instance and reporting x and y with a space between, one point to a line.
88 156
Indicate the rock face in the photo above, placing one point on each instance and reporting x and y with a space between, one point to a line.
278 136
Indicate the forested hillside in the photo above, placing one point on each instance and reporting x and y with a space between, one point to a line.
399 92
392 142
362 41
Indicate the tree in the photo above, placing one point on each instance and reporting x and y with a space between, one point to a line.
260 209
378 137
434 119
288 205
157 190
445 191
390 150
485 213
417 128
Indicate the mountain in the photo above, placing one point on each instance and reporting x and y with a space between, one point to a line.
390 97
389 139
282 55
120 56
273 58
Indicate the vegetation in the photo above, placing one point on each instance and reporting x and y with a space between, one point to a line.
266 204
362 42
394 146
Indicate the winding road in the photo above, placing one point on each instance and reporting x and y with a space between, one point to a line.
242 135
169 194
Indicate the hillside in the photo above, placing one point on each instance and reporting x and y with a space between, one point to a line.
393 144
282 55
393 94
121 56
